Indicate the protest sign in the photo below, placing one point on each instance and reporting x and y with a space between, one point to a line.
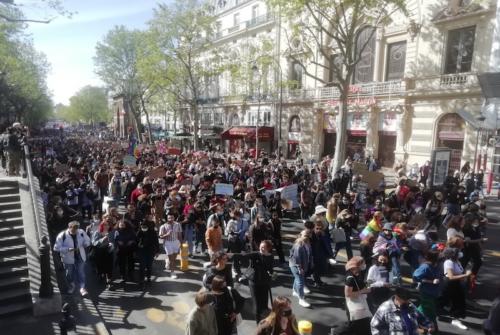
290 193
158 172
129 160
224 189
174 151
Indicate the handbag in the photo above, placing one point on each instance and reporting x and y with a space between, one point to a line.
338 235
358 307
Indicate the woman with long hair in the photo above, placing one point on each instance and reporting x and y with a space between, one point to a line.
301 263
227 304
103 242
281 320
455 226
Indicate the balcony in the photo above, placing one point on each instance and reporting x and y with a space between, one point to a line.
259 20
364 90
243 26
233 29
445 84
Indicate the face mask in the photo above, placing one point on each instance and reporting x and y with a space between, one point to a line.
363 267
144 229
475 225
60 213
460 255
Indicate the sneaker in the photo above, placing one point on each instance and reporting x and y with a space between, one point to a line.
458 324
306 290
304 303
295 294
332 261
71 288
173 275
84 292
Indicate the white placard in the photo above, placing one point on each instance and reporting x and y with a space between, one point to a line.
224 189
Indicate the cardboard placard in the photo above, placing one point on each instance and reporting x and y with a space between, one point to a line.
158 172
174 151
290 193
359 168
129 160
224 189
373 179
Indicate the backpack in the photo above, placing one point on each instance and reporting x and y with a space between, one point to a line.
12 142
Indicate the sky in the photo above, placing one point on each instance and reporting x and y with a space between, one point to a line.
69 43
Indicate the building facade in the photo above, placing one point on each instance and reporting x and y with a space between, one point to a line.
415 89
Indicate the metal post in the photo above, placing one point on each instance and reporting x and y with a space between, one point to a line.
475 151
46 288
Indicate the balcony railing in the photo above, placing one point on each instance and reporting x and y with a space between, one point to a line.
458 81
388 88
254 22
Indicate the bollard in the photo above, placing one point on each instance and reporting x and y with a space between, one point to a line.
46 288
184 257
305 327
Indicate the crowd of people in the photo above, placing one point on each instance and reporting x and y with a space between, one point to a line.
169 200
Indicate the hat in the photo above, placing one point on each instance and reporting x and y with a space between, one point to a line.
319 210
387 226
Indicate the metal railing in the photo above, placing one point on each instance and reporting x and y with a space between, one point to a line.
245 25
447 81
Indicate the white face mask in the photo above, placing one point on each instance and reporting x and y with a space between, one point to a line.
460 255
363 267
475 225
144 229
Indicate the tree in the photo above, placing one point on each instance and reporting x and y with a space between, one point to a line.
177 54
11 11
332 27
116 63
23 71
89 105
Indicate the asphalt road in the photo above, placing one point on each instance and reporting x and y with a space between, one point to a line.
162 307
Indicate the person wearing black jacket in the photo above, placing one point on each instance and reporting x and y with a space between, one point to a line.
260 274
147 249
227 303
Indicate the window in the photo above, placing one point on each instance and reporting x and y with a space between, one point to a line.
255 11
236 19
206 117
294 126
335 64
297 74
218 118
396 57
365 50
459 50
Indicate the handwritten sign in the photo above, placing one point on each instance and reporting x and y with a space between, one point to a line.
290 193
224 189
129 160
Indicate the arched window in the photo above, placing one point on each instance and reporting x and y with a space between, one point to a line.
364 69
294 126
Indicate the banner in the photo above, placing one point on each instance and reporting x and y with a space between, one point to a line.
224 189
290 193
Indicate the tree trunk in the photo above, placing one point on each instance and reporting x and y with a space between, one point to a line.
150 135
137 120
196 121
338 158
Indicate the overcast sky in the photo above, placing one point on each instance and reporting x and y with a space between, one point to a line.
70 43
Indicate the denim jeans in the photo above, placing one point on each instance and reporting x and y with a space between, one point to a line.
75 272
298 281
396 272
346 245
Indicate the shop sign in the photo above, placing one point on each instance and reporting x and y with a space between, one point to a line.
357 121
355 102
388 122
330 123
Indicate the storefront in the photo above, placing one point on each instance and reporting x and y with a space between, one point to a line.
450 134
387 138
242 138
356 134
294 137
329 134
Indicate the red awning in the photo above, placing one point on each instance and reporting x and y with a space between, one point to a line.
265 133
357 132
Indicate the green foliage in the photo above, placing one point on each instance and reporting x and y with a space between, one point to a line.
24 94
88 105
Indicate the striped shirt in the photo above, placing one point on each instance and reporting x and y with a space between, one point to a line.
174 228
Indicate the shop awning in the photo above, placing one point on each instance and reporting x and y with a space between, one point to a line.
248 133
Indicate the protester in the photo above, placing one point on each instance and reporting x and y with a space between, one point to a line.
71 244
125 244
355 291
103 241
201 320
147 249
171 233
227 305
281 320
301 263
398 315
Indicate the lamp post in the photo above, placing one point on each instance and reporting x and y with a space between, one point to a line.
481 119
255 71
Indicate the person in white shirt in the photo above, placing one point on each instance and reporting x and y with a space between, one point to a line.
171 233
378 280
455 226
71 244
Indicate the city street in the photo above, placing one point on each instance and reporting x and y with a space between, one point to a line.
162 307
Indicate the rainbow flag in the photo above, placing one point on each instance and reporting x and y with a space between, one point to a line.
137 152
